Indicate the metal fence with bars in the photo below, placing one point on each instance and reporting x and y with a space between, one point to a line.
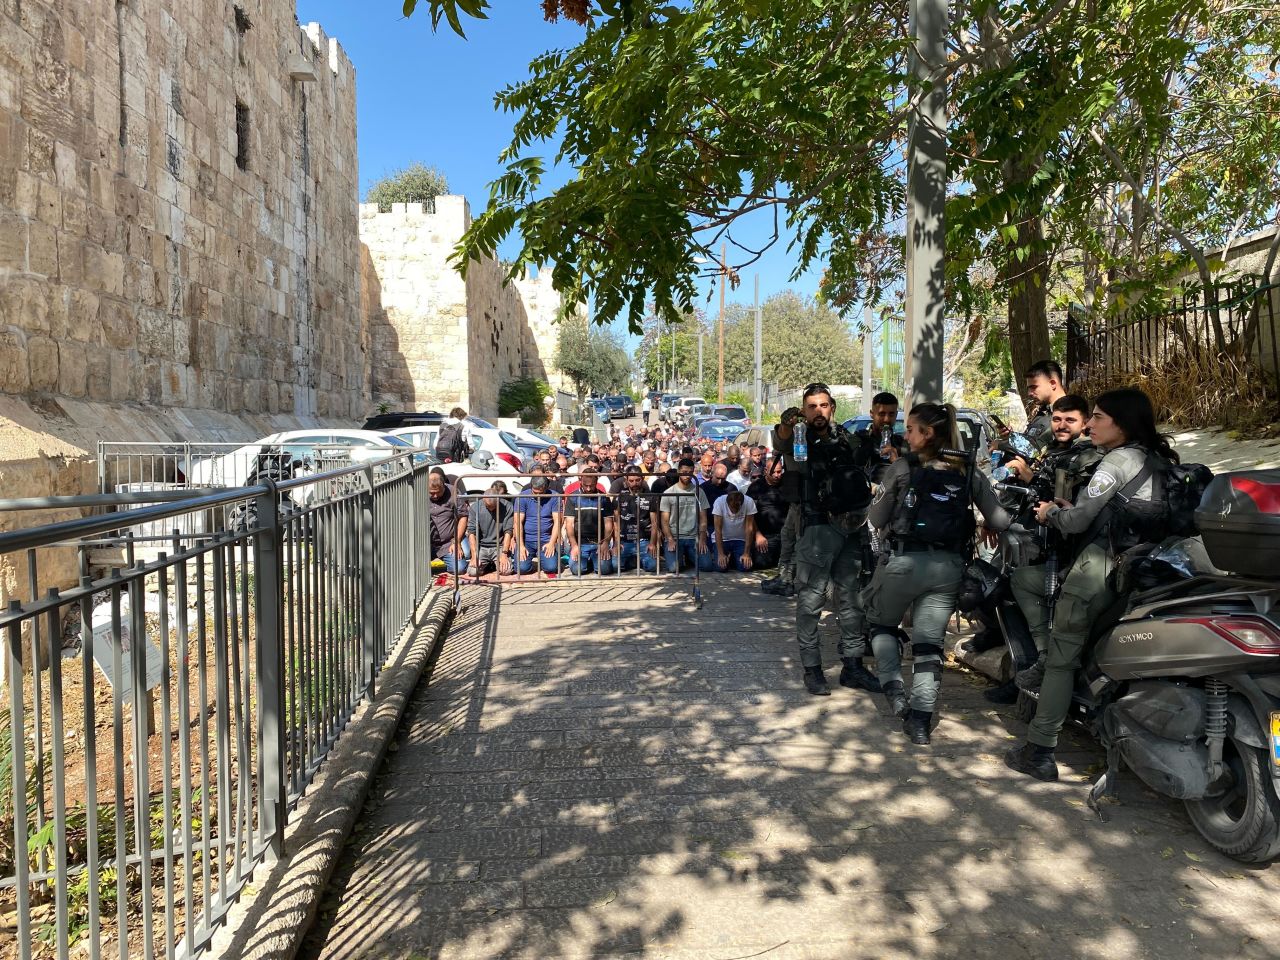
150 773
1242 316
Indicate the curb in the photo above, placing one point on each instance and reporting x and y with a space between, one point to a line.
276 910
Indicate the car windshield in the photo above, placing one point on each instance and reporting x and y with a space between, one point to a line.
862 423
478 422
394 441
542 438
733 413
510 441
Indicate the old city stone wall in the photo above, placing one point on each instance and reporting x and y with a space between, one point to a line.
179 253
178 214
437 340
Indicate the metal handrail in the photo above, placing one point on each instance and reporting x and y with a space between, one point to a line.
83 527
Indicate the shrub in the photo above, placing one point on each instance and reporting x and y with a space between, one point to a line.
523 398
416 183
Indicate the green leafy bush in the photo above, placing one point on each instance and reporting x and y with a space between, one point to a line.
523 398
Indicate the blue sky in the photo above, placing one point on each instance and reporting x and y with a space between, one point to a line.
429 97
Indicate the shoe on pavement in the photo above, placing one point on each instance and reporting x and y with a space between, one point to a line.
896 696
1034 762
815 681
916 726
1031 678
771 585
857 677
1005 693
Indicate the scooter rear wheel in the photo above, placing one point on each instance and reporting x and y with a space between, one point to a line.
1244 820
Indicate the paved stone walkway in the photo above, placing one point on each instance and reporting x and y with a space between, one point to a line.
603 771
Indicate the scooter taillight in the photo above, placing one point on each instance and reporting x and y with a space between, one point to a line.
1250 634
1266 496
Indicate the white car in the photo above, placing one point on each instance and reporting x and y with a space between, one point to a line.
319 448
682 408
494 456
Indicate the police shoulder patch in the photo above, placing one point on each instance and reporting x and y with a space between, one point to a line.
1101 482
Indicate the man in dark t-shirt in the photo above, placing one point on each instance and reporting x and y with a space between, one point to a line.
588 522
771 515
636 509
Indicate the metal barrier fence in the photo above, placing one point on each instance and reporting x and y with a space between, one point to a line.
1243 315
558 538
147 780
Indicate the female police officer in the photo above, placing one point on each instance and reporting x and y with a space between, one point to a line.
924 508
1124 425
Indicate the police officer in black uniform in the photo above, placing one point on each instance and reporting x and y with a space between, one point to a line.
835 495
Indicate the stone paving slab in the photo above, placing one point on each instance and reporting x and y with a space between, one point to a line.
601 770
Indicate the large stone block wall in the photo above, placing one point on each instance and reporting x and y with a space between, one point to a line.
437 340
139 263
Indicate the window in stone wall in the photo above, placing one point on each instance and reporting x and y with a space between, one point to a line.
242 135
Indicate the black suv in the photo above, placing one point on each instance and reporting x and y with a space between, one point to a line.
394 421
621 406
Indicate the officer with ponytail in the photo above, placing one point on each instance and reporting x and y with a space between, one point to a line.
924 510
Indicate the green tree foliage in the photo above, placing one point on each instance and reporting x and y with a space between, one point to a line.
593 359
801 339
416 183
523 398
1121 139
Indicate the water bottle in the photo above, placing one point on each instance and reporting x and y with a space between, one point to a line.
1000 474
886 437
995 462
800 446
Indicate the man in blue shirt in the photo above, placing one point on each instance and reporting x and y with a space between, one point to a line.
538 525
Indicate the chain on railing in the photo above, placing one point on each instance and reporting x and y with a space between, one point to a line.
149 776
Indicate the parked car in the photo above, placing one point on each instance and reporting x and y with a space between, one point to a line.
494 456
500 443
532 443
714 429
665 404
754 436
862 421
601 409
698 420
386 422
732 411
680 411
320 448
621 406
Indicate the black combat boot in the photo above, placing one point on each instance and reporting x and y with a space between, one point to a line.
1005 693
916 727
896 695
815 681
1033 760
857 677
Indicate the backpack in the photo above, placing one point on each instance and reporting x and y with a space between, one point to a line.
1178 489
937 510
841 484
451 445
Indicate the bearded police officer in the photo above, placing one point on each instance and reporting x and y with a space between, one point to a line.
783 584
1064 467
834 497
873 452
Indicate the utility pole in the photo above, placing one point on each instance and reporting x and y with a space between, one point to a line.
702 380
868 344
720 376
926 194
673 357
757 393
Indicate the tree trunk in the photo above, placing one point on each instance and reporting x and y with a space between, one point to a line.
1027 283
